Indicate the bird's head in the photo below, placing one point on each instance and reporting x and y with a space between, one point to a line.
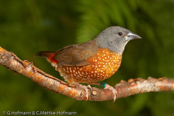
115 38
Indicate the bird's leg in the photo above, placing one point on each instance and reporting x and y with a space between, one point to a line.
107 86
83 87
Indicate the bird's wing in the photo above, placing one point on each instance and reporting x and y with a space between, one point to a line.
76 55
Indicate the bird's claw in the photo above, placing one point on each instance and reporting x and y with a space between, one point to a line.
86 89
114 91
88 86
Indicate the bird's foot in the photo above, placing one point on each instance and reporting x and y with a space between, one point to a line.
83 87
114 91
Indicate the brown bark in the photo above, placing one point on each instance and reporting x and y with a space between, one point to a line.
124 89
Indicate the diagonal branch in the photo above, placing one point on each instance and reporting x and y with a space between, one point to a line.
124 89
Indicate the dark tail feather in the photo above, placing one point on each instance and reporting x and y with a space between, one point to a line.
45 54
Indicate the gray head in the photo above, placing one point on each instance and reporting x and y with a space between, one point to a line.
115 38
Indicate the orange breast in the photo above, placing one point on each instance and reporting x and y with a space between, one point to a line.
101 66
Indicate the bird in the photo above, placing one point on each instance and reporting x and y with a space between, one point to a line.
94 60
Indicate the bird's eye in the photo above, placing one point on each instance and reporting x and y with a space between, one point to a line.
120 33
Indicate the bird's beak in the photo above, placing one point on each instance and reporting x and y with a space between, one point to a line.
131 36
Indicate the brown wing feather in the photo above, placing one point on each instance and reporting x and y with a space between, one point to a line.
76 55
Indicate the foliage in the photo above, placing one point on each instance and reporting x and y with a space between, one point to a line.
29 26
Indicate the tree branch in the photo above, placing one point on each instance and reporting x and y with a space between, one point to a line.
124 89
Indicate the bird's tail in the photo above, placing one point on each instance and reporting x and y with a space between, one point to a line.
45 54
48 55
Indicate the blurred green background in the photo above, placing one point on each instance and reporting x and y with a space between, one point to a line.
29 26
